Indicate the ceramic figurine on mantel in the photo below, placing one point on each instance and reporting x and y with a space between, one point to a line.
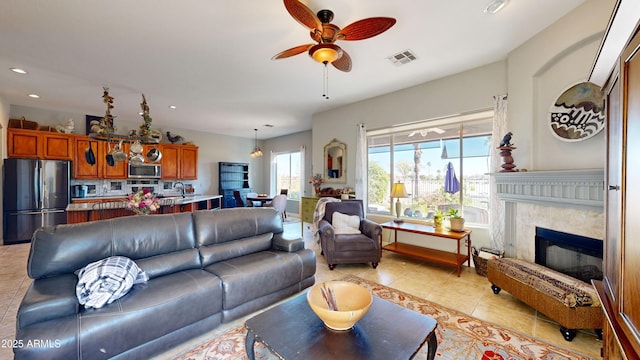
505 151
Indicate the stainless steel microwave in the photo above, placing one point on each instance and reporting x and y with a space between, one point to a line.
145 171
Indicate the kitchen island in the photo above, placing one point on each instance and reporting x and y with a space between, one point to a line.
102 209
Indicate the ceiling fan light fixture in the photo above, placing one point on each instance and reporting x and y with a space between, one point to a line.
325 53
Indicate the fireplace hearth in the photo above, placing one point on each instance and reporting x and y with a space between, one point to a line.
573 255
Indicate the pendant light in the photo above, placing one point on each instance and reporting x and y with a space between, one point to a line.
257 152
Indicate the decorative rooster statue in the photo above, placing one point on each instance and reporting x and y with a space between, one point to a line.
174 139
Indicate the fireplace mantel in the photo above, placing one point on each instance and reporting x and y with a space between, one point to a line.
581 189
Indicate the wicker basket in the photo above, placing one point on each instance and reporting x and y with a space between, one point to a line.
481 263
23 123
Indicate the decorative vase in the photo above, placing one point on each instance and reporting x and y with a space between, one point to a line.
344 196
437 222
317 189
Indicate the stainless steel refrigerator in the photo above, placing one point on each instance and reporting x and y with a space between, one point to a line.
35 194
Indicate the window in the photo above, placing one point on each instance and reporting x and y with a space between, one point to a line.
287 174
426 157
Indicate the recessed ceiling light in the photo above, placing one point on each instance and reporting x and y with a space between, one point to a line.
172 106
18 71
495 6
35 96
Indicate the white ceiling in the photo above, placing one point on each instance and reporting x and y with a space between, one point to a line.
212 58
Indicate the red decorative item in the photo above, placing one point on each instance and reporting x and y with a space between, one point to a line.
490 355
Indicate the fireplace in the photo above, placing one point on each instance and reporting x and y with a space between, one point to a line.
573 255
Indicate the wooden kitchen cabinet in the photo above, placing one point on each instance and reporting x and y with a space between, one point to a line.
170 161
82 169
35 144
189 162
179 162
120 169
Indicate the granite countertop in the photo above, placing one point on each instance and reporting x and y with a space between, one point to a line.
168 200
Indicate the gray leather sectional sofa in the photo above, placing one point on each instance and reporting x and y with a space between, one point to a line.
205 268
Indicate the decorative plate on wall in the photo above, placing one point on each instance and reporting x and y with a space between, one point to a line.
578 114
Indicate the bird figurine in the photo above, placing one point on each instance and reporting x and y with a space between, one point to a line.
174 139
506 140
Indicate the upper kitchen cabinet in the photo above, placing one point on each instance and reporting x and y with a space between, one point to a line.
81 167
170 161
189 165
179 162
119 170
39 145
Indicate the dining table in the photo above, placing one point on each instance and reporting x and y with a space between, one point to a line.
261 198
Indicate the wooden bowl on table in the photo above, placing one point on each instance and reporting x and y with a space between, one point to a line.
351 300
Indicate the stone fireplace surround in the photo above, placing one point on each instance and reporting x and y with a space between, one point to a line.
570 201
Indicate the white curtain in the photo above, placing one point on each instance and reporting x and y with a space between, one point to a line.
302 178
361 165
273 182
496 210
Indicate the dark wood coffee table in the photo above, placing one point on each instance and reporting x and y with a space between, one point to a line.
292 330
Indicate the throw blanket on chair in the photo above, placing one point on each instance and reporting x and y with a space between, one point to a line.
318 214
104 281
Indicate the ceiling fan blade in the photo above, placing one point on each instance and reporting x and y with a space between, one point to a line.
303 15
291 52
343 63
366 28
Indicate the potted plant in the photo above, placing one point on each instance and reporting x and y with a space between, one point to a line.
456 221
438 218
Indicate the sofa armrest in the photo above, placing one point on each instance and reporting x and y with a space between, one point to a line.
47 299
287 242
371 229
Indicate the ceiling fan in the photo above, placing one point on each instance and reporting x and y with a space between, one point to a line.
324 33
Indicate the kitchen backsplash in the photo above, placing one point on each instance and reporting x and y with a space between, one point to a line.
99 188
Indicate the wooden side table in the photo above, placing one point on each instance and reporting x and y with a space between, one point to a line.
423 252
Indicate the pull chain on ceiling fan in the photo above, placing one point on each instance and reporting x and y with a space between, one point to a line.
324 33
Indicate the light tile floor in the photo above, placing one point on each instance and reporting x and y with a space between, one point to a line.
470 293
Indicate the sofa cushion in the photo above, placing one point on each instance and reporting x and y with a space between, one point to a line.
210 254
354 242
216 227
48 299
251 276
64 249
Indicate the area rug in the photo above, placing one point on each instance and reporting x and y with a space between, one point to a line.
460 336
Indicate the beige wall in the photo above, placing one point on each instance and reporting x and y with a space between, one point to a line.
538 72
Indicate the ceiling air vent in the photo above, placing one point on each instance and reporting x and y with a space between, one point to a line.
403 57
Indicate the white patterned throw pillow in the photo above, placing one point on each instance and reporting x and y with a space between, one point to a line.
345 224
104 281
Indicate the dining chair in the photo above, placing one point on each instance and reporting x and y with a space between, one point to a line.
284 192
252 203
279 202
238 198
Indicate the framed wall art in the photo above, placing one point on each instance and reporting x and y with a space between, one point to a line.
578 114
